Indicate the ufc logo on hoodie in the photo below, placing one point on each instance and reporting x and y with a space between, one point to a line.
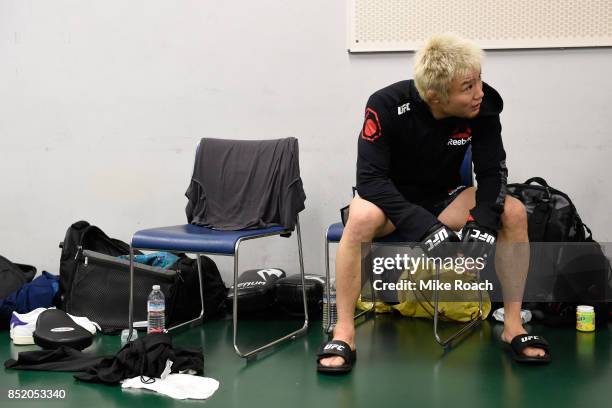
482 236
440 236
403 109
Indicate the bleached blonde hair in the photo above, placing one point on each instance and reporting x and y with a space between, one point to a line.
442 58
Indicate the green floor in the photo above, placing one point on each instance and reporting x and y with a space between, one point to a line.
399 364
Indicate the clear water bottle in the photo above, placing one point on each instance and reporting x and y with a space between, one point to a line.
156 311
330 312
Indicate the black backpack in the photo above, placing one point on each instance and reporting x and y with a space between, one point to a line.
551 214
79 236
13 276
569 271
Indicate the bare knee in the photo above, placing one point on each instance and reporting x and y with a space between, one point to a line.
514 216
365 221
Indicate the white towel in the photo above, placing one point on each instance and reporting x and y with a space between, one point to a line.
177 386
525 315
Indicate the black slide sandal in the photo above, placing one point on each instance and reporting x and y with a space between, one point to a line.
521 342
336 348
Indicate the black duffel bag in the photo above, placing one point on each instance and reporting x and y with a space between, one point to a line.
570 269
94 282
256 292
551 214
289 295
552 219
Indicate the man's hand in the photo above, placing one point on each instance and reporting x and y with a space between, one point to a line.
478 241
436 239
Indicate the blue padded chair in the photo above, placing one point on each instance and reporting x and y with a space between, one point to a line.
188 238
334 234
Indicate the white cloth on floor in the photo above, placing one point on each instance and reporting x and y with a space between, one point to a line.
177 386
525 315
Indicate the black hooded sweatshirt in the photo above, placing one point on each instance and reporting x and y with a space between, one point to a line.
406 156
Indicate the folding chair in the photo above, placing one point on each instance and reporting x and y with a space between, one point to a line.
198 240
334 234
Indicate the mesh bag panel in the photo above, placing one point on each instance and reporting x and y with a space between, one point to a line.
101 292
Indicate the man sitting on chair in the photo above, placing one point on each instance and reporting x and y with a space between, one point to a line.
410 149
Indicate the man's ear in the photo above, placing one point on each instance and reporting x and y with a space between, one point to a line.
432 97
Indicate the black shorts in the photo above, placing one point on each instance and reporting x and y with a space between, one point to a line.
434 206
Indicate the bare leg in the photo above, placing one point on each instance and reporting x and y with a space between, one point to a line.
512 265
365 222
511 261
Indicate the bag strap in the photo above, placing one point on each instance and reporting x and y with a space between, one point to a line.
538 180
589 237
538 222
541 182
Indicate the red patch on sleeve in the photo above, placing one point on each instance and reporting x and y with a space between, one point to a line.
371 126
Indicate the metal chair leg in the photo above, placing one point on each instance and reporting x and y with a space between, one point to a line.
328 329
373 308
288 336
191 323
472 323
198 320
131 305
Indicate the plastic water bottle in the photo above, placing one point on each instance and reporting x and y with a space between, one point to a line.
330 312
156 311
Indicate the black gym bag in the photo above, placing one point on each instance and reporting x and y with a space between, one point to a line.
551 214
13 276
571 268
289 295
95 283
256 292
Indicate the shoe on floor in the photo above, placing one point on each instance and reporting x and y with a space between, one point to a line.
521 342
336 348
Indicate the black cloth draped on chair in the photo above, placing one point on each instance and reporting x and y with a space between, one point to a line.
255 184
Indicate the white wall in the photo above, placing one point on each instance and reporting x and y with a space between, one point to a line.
103 102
